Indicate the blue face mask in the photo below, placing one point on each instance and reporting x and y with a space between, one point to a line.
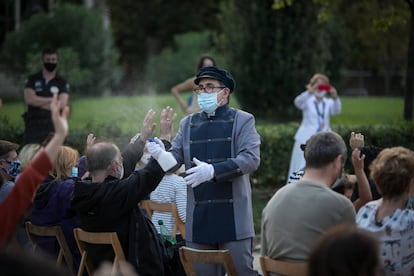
208 101
14 168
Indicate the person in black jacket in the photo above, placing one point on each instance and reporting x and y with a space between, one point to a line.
109 201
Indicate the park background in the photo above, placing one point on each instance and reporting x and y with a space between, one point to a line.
122 57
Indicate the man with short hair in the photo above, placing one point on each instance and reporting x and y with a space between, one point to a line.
220 147
299 213
38 92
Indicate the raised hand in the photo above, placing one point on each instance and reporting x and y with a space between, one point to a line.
148 125
167 118
356 140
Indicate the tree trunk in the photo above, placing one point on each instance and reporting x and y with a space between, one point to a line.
16 14
409 87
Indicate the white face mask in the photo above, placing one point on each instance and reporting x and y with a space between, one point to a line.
320 94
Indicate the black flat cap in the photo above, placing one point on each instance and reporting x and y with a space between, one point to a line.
214 72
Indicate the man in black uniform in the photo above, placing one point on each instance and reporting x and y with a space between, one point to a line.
38 92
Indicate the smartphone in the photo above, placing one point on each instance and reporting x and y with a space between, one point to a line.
324 87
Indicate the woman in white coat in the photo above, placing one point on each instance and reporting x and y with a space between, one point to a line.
316 111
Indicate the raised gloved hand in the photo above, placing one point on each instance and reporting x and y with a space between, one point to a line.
202 172
154 147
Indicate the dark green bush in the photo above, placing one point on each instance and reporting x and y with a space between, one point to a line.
276 143
176 64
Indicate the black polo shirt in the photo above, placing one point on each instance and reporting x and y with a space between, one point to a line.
43 89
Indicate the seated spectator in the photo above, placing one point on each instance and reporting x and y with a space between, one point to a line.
26 154
388 218
172 189
9 167
109 203
298 214
16 203
345 184
370 152
345 250
51 205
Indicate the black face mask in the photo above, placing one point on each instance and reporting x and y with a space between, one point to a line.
49 66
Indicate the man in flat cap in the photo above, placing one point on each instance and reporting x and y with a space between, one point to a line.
220 147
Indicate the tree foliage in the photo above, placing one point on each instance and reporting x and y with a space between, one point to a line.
177 63
273 53
154 24
74 28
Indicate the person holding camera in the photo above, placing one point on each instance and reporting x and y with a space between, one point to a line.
316 111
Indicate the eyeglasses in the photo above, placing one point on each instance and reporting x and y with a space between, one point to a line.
207 89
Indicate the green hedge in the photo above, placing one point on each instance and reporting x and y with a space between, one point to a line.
276 143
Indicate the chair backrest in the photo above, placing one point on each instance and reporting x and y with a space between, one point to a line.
83 237
34 231
189 256
150 206
283 267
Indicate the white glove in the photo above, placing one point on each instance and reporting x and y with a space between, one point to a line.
154 147
202 172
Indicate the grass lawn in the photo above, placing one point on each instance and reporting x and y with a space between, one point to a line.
128 111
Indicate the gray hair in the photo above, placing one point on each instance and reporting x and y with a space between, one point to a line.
322 148
100 155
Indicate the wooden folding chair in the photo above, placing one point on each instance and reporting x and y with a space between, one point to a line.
34 231
83 237
189 256
150 206
283 267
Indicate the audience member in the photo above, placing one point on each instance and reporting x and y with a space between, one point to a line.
38 92
9 167
388 218
109 203
298 214
345 250
220 147
370 153
16 203
51 205
26 154
188 85
172 189
316 111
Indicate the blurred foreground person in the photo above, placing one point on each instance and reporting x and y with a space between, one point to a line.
16 203
345 250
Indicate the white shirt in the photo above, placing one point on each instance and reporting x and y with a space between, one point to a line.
315 115
172 189
396 233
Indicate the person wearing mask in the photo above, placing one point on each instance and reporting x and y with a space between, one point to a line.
316 110
298 214
9 166
38 92
191 105
108 200
220 148
21 196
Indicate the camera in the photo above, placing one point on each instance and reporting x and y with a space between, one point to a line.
324 87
